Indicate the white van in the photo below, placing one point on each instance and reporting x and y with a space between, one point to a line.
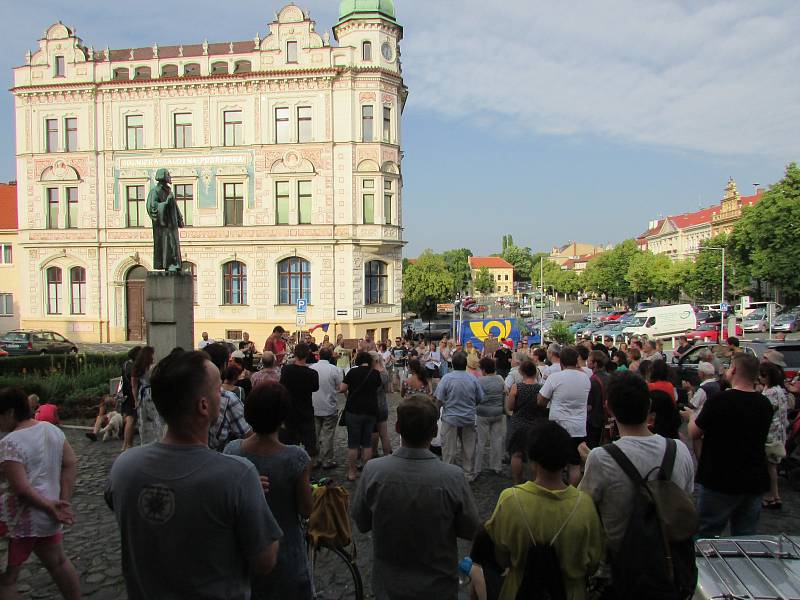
663 321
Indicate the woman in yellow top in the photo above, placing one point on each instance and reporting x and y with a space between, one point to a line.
547 511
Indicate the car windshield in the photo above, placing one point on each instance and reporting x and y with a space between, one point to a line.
785 318
708 327
637 321
15 336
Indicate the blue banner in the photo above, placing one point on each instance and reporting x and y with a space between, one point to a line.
477 331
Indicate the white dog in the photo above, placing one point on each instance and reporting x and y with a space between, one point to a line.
113 427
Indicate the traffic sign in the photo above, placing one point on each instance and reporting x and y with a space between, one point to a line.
301 306
301 319
445 308
724 307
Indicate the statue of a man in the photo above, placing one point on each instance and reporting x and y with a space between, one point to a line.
167 218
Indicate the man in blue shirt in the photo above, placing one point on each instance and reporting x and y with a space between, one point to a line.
458 393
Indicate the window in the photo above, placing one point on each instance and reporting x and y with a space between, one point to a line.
6 254
367 134
234 203
169 71
70 134
51 135
387 201
234 276
52 208
234 334
291 52
134 130
72 207
218 68
233 134
6 305
192 70
184 196
59 66
304 202
243 66
376 281
368 202
121 74
77 285
387 124
53 291
281 125
282 203
366 51
191 268
304 124
294 280
142 73
137 211
183 130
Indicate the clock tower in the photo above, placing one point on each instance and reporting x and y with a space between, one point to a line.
371 29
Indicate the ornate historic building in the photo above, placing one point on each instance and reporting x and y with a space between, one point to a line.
285 160
9 274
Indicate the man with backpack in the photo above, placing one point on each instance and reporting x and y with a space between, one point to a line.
627 480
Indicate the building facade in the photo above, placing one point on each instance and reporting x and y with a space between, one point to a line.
9 274
572 251
285 159
679 236
501 271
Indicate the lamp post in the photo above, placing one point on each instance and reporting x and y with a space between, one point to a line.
722 303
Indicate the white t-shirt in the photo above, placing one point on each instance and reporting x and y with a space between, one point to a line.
587 370
612 490
39 449
204 343
324 399
554 368
568 392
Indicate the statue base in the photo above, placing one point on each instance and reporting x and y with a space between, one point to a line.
169 311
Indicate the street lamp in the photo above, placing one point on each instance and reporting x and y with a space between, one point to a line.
721 304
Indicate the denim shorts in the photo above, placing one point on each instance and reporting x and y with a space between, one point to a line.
359 430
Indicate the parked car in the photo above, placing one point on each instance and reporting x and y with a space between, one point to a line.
663 321
525 311
787 322
3 353
709 316
468 301
790 351
553 314
36 341
755 322
643 305
477 308
614 315
709 332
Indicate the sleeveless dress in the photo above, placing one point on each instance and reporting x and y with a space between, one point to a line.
526 413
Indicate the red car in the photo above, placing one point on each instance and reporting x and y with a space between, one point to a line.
708 332
468 302
614 316
476 308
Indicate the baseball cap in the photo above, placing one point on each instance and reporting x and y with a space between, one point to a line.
237 354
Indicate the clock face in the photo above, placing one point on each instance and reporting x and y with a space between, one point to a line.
386 50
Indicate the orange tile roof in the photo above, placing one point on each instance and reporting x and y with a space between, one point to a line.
8 206
489 262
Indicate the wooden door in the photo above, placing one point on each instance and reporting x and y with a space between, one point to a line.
134 305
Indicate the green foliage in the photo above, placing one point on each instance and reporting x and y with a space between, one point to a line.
706 280
64 363
426 283
652 276
457 263
483 281
559 332
608 272
551 270
520 258
764 240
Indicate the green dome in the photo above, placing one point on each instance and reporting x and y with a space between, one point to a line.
352 8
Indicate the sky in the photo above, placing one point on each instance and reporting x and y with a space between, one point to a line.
550 121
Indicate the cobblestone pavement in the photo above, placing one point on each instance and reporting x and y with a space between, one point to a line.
93 543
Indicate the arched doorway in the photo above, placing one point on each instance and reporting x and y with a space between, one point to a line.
136 326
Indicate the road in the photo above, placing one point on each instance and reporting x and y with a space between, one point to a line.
93 542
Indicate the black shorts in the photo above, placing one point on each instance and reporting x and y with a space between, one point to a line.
127 409
297 434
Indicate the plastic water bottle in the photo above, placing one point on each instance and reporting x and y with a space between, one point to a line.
464 570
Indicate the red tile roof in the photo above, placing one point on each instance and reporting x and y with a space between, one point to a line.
695 218
489 262
8 206
168 52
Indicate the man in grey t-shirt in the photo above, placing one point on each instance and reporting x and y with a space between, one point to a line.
194 523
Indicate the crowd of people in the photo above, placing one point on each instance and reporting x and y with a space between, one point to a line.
228 447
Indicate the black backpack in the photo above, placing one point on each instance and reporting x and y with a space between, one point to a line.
542 578
656 559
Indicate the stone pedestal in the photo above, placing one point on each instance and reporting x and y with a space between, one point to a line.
169 311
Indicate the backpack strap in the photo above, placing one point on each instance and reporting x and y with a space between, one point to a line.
665 473
624 463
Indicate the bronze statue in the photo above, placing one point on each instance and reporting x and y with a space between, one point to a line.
167 218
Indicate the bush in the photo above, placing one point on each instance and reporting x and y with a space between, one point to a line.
76 394
64 363
559 332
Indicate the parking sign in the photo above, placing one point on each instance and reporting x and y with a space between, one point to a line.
301 305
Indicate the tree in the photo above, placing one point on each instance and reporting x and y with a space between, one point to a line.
764 241
483 281
706 280
520 258
551 270
651 276
607 273
457 263
559 332
426 283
